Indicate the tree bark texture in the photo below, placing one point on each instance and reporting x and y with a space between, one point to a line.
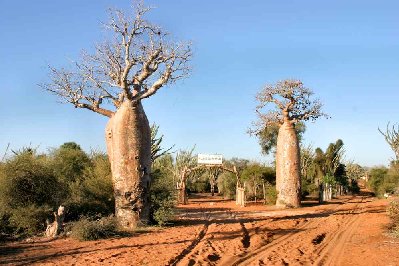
288 181
182 195
128 138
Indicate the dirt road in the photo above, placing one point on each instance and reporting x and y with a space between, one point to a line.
212 231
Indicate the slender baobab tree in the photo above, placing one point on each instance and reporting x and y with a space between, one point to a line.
133 65
292 105
182 170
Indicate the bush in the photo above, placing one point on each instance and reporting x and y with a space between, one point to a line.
271 194
69 162
377 176
162 196
26 179
354 187
33 185
86 229
5 227
75 210
308 187
164 212
29 191
383 180
94 195
227 185
198 186
30 220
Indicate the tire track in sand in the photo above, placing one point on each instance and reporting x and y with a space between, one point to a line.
193 244
258 255
331 252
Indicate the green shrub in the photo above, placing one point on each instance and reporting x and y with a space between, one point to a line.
29 220
198 186
271 194
227 185
86 229
5 227
383 180
94 195
164 213
308 187
162 196
33 185
353 187
75 210
69 162
26 179
376 179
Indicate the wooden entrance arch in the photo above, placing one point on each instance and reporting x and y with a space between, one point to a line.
181 185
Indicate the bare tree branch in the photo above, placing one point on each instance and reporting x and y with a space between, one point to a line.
291 101
133 65
391 136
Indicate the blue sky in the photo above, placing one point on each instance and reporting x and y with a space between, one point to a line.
346 51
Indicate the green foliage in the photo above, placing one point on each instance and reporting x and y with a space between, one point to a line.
308 187
200 185
271 194
31 187
354 171
268 136
254 175
353 186
29 220
69 162
5 226
162 192
326 167
86 229
227 183
94 194
26 179
70 146
376 180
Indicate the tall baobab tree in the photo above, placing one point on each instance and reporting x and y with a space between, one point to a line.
292 104
139 60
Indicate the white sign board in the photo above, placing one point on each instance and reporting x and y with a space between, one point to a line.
213 159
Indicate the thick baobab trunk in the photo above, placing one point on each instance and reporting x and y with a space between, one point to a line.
128 137
288 181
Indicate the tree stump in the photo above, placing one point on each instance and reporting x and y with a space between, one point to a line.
56 227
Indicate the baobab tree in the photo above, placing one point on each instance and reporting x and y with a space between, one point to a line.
292 104
133 65
185 167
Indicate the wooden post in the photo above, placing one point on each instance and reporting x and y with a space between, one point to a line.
240 197
264 193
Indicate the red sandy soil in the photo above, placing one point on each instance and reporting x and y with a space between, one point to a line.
350 230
